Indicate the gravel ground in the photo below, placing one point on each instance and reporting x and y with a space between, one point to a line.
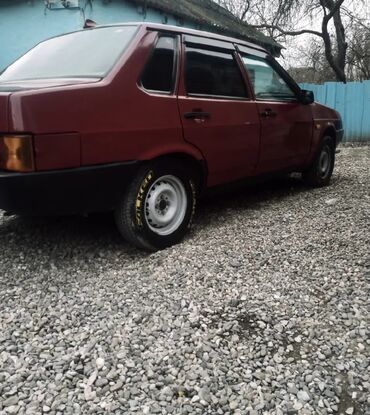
263 309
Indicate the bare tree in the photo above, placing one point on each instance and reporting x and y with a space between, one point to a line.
238 8
282 18
314 67
358 59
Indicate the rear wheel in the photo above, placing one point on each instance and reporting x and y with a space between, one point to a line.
158 206
321 170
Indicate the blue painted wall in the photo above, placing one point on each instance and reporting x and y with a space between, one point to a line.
25 23
352 101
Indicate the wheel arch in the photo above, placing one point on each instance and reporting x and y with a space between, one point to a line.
199 166
331 132
182 152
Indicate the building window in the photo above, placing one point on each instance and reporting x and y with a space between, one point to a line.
62 4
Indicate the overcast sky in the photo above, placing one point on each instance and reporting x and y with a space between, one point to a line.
294 52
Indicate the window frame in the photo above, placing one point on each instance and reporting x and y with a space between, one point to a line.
246 52
216 46
175 69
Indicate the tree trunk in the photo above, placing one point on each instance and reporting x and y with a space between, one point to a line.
336 61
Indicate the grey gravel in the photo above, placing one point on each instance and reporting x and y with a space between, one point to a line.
263 309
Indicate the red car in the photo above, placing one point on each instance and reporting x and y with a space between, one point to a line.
141 118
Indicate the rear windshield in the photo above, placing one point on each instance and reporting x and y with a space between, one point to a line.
88 53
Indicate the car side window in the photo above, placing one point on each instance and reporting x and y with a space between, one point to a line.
213 73
266 81
160 71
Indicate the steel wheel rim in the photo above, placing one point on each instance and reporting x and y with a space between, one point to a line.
165 205
325 161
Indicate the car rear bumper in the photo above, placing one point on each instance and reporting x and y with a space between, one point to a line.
80 190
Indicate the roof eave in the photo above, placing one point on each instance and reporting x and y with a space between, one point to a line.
272 46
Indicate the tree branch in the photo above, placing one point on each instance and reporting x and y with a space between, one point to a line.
355 18
333 10
245 11
288 32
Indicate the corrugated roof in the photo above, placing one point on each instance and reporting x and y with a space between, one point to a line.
213 17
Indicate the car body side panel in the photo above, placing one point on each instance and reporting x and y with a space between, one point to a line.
228 138
116 119
286 136
57 151
324 119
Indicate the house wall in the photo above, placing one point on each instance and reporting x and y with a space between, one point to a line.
23 23
352 101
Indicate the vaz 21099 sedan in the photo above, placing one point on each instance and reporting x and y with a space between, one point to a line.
141 118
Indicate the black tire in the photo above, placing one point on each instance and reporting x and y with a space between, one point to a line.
321 170
137 216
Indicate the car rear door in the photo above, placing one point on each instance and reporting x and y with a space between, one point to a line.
286 123
217 113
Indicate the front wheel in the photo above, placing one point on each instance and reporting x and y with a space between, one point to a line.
158 206
321 170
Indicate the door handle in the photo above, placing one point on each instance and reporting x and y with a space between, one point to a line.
268 113
199 116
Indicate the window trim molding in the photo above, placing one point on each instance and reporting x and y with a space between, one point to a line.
175 68
205 43
218 97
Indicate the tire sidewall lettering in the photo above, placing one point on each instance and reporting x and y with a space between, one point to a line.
147 181
194 202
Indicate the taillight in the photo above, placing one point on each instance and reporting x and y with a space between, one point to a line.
16 153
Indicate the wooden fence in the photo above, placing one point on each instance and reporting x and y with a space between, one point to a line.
352 101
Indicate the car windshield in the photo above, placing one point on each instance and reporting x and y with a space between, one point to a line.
88 53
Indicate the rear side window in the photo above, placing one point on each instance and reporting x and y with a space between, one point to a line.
213 73
159 73
266 81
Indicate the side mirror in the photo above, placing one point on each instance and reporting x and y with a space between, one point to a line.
307 97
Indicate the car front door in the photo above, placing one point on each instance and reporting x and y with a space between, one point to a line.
286 123
217 112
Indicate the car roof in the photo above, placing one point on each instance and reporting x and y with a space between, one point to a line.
185 30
